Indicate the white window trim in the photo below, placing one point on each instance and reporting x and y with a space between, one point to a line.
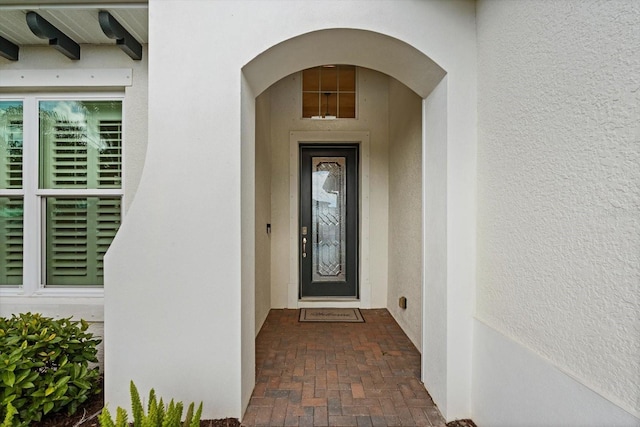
33 249
100 77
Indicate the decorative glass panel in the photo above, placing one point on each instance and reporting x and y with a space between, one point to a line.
11 234
78 233
328 218
80 144
10 144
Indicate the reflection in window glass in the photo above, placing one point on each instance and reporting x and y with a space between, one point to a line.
80 144
11 199
10 144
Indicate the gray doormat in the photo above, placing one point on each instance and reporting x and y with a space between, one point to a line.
351 315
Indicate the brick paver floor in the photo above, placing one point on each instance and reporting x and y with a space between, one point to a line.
338 374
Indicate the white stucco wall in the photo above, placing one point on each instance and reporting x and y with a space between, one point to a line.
185 251
436 301
373 116
263 208
405 208
559 193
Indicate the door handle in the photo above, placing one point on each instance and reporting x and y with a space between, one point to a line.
304 247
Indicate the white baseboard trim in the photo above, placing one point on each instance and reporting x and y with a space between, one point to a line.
514 387
89 309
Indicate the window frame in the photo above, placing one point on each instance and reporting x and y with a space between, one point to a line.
34 198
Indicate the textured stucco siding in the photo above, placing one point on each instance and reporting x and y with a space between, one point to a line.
405 208
263 209
559 185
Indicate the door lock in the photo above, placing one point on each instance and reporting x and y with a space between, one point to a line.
304 247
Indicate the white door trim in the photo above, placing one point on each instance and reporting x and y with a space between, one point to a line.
323 137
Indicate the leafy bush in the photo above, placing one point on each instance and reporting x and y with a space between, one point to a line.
158 415
44 366
8 418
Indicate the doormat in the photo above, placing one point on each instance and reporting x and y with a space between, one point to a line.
351 315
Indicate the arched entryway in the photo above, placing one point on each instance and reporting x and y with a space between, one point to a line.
418 72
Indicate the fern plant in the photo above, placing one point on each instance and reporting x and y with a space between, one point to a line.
158 415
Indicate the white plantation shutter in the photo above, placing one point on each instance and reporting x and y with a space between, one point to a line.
11 208
81 149
66 156
110 154
66 241
108 222
79 232
85 153
11 155
11 236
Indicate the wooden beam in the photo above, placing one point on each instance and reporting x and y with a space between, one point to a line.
112 29
59 40
8 50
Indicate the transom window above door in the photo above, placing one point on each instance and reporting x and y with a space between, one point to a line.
329 92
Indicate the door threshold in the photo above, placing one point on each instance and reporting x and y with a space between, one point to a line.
328 302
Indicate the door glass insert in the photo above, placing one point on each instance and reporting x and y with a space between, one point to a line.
328 229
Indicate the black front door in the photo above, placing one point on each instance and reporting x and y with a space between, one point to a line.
328 234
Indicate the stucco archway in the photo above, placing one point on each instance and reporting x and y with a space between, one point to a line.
418 72
345 46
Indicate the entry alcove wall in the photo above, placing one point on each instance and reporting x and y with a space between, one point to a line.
449 387
391 114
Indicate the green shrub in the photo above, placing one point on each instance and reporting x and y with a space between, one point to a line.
158 415
44 366
8 418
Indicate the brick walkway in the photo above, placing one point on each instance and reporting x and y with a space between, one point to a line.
338 374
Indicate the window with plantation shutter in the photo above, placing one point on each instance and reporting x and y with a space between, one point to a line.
61 183
11 193
80 149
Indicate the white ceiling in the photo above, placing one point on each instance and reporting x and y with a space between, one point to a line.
77 20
